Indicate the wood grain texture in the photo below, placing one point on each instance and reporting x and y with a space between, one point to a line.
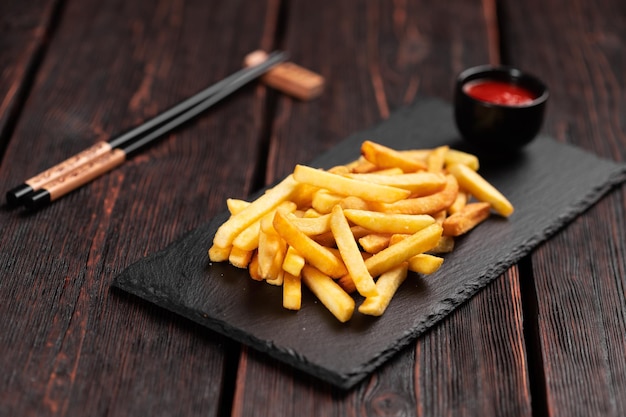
24 28
580 275
389 52
69 345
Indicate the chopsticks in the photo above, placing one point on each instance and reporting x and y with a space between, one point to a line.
103 156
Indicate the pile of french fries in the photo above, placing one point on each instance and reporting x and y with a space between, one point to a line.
358 228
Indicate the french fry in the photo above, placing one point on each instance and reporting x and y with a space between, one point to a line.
418 183
385 157
394 255
429 204
236 205
347 186
248 239
454 156
312 226
389 223
482 190
317 255
334 298
445 245
425 264
350 253
387 285
219 254
239 257
227 232
293 262
253 267
374 242
459 202
466 219
292 291
436 159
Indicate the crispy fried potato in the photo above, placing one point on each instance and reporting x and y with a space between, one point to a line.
293 262
387 285
375 242
429 204
350 253
339 184
292 291
436 159
385 157
418 183
229 230
466 219
334 298
394 255
482 190
317 255
389 222
425 264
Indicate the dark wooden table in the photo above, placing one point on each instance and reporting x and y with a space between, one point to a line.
546 338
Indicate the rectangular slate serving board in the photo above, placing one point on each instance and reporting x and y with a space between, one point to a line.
549 184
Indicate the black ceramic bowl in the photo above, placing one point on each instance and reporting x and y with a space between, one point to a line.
502 122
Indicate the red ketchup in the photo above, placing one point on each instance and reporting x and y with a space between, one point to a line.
499 92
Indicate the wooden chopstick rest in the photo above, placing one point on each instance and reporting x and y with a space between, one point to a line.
288 77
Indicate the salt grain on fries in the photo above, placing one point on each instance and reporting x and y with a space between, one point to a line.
358 228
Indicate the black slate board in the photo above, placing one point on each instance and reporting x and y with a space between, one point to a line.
548 183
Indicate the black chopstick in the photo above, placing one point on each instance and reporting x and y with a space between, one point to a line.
103 156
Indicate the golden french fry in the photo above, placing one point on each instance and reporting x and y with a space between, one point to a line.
253 267
219 254
350 253
278 279
239 257
481 189
454 156
317 255
292 291
389 222
227 232
429 204
334 298
339 184
445 245
425 263
394 255
459 202
418 183
385 157
293 262
374 242
248 239
465 220
270 245
236 205
436 159
312 225
387 285
352 202
323 201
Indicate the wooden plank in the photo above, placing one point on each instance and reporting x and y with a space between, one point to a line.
69 345
24 30
375 61
579 275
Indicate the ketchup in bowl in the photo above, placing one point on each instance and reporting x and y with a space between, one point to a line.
499 92
499 109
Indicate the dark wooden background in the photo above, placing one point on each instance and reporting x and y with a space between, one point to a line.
546 338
